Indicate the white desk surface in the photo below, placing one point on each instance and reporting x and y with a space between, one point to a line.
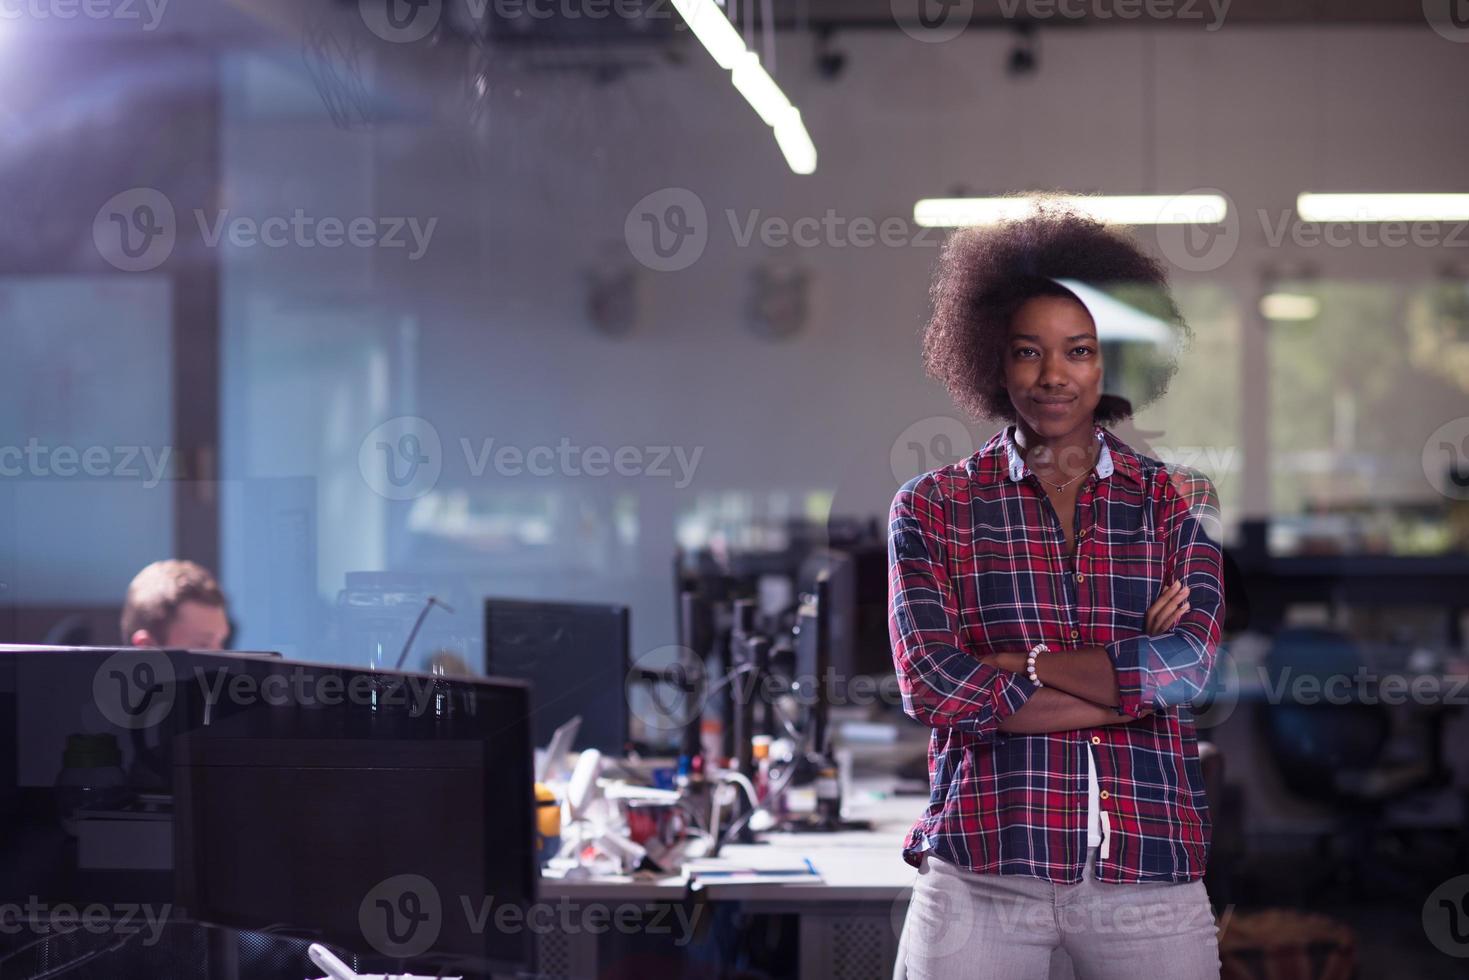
855 866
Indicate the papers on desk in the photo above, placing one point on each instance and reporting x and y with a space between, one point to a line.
748 869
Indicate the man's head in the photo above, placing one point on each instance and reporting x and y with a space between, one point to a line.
175 604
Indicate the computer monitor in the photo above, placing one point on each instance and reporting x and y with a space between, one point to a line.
271 796
813 656
576 657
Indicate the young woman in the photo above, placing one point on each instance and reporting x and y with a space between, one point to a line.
1056 602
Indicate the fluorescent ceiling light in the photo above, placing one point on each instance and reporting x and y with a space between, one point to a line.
954 212
751 80
1289 306
1383 207
713 29
796 143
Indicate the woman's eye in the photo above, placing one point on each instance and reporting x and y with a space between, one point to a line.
1020 351
1084 350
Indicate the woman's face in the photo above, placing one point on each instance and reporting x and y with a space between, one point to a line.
1053 365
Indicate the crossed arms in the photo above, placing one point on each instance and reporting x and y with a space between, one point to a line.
945 684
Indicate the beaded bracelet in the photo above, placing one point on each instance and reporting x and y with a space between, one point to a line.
1030 663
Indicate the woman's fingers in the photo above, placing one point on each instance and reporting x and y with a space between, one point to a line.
1166 610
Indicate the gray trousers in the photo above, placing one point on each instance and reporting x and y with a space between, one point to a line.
962 924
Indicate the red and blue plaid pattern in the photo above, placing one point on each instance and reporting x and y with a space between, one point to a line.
977 564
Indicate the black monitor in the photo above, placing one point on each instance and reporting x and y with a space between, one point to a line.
273 797
576 657
813 657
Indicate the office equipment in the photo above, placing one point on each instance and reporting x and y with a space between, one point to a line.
576 657
292 791
337 970
552 766
1329 749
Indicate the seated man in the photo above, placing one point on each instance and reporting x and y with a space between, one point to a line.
175 604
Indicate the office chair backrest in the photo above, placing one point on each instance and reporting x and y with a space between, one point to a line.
1318 729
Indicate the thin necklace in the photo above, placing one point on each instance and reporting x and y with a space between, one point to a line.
1062 486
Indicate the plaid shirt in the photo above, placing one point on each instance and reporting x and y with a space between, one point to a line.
977 564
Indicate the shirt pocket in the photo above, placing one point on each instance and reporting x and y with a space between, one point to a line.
1134 564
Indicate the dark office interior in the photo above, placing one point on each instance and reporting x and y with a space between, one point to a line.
454 458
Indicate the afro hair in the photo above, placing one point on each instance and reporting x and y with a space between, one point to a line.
985 274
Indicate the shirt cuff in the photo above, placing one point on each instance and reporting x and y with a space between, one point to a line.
1132 676
1012 690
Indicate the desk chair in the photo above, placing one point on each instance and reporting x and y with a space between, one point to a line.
1331 753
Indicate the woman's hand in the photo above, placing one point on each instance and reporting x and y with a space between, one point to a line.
1166 610
1013 662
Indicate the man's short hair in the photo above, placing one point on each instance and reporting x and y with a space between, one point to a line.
157 591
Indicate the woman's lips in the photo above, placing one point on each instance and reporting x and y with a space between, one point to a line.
1055 408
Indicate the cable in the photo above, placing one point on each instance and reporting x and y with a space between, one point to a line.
413 633
775 791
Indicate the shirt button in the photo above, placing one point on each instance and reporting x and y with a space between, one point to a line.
1074 634
1104 794
1081 576
1096 740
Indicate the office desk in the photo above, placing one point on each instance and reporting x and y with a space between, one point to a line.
849 922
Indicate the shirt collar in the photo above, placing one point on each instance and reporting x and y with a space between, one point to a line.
1001 457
